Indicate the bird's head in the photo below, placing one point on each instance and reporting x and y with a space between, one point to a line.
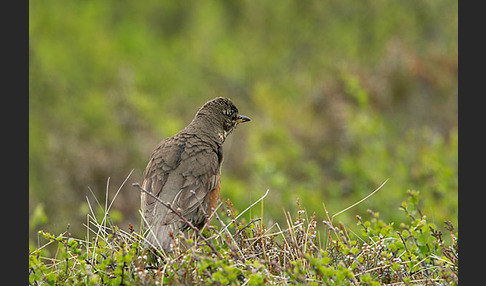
222 115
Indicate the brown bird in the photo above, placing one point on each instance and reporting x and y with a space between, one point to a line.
188 161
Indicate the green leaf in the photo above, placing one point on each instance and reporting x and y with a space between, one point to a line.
422 239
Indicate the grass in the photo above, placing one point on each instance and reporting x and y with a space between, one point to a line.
233 251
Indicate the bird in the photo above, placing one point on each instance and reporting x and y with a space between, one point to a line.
184 171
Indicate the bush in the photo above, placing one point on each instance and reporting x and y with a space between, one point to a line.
235 252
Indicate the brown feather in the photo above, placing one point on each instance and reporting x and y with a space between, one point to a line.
189 161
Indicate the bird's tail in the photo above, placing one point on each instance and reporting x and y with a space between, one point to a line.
163 236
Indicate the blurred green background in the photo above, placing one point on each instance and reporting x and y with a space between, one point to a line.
342 96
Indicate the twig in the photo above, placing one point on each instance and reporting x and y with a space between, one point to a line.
252 221
201 208
361 199
177 213
66 245
226 240
224 229
206 216
403 241
340 234
196 230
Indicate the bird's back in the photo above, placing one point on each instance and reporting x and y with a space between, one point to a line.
179 164
184 171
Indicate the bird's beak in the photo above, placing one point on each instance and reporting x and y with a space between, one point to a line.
242 118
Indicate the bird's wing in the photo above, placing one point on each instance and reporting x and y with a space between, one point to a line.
200 173
176 168
162 162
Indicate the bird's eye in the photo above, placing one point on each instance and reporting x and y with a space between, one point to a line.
229 112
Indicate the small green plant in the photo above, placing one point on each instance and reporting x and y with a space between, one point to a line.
233 251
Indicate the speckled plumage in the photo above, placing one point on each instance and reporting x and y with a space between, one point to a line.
189 160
